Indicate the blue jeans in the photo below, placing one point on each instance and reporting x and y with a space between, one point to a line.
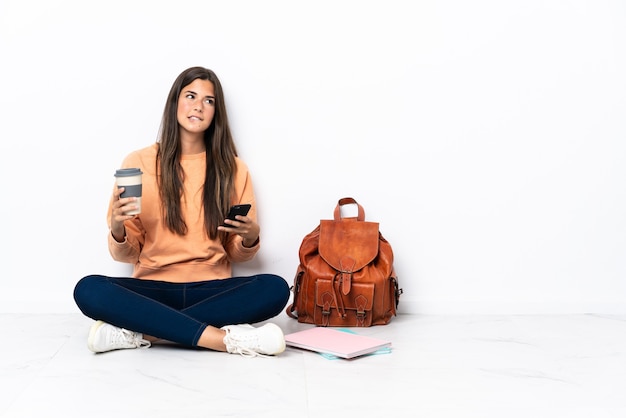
179 312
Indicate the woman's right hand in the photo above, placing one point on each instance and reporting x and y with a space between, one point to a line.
120 206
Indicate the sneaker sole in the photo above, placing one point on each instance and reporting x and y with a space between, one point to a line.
92 335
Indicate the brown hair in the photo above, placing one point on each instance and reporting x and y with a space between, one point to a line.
220 158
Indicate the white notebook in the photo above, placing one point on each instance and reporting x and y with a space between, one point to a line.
331 341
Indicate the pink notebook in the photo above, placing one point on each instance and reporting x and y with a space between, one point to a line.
331 341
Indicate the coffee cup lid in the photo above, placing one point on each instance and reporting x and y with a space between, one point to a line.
127 172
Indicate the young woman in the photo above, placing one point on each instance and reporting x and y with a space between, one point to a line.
180 244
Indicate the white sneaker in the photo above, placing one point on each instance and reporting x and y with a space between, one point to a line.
249 341
106 337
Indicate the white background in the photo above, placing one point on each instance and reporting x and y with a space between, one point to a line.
486 137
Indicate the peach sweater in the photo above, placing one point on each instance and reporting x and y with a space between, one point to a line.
159 254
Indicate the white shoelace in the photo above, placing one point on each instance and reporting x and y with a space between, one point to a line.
130 337
240 345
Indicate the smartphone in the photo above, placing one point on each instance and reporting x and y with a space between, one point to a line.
237 210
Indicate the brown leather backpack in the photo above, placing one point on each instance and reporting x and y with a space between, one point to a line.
346 276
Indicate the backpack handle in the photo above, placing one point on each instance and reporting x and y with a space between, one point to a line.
348 201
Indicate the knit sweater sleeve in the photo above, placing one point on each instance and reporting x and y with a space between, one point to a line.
128 251
244 194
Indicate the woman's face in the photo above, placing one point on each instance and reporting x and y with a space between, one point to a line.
196 106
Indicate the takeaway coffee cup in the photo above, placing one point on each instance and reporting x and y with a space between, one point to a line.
130 179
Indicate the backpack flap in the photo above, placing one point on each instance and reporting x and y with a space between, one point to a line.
347 246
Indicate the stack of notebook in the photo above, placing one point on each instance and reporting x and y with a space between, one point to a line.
340 343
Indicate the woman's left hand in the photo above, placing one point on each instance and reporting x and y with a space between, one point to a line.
243 226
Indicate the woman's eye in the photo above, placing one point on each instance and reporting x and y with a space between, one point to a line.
189 96
210 101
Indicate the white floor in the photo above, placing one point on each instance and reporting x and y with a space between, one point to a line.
457 366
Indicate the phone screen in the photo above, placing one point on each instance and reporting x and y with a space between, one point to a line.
237 210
